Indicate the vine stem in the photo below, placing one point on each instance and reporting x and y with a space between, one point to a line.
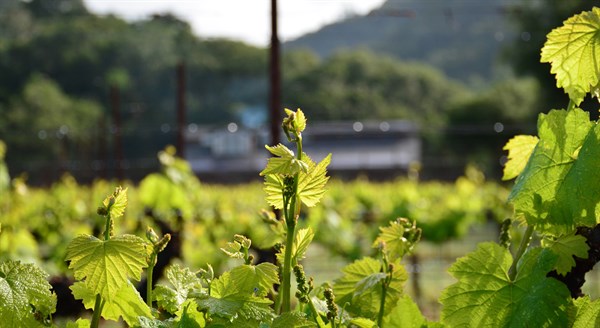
291 211
512 272
149 274
99 305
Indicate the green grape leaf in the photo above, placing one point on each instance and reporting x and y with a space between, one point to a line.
519 150
299 247
561 134
107 265
588 313
126 303
360 287
226 300
233 250
572 50
484 295
274 189
292 319
565 248
578 197
405 314
311 185
286 163
116 203
392 237
80 323
24 294
364 323
255 279
182 281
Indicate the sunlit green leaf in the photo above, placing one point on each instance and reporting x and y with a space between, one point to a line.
116 203
107 265
311 186
24 290
255 279
534 196
360 287
519 150
484 295
126 303
572 50
588 313
181 282
301 243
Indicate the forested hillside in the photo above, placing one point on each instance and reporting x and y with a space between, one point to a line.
66 72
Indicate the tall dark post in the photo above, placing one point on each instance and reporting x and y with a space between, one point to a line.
180 109
115 100
274 78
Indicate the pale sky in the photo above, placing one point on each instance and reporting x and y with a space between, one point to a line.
246 20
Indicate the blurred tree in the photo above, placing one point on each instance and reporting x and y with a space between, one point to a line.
53 8
43 124
361 85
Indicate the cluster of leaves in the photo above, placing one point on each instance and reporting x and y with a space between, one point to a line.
555 195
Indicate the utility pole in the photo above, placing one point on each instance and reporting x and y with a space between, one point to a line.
180 109
274 79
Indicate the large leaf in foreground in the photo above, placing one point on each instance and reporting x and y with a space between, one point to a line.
484 296
23 286
561 134
574 52
107 265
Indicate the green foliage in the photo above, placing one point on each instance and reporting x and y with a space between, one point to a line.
588 312
519 150
398 238
556 172
360 287
126 302
572 49
182 282
107 265
485 296
565 248
407 314
26 299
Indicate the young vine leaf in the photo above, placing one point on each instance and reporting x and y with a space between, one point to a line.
255 279
24 293
572 50
484 295
181 283
588 313
311 184
227 301
565 248
80 323
519 150
126 303
360 287
107 265
397 239
534 194
285 163
116 203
